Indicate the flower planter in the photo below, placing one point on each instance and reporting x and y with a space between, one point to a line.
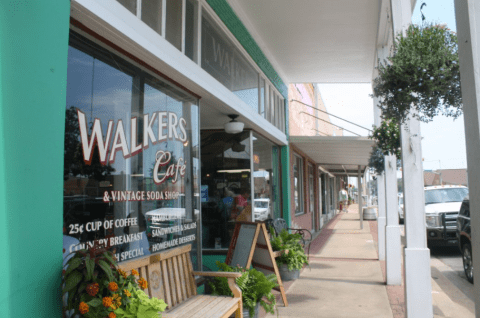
286 274
246 313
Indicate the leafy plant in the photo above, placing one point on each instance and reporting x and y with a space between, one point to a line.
96 287
387 138
295 258
255 286
422 73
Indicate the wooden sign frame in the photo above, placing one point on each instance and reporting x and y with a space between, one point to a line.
261 255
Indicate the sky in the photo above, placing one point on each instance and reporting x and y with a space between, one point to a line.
443 143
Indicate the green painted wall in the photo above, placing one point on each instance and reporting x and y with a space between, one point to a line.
233 23
33 73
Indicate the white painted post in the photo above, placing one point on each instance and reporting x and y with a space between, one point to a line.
467 14
418 288
360 198
393 258
381 201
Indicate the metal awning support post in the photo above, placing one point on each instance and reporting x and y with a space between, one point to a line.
468 25
360 198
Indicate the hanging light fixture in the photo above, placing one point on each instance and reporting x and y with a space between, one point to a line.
233 126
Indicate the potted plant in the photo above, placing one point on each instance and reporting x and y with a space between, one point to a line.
293 259
422 76
256 289
94 286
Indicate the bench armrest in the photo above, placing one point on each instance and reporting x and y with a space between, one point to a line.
236 291
218 274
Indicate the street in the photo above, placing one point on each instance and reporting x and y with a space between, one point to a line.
452 294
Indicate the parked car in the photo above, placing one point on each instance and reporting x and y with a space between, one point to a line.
464 237
442 204
401 217
261 209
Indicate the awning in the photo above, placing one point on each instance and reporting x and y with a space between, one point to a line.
340 155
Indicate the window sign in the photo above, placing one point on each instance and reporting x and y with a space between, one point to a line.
222 60
131 158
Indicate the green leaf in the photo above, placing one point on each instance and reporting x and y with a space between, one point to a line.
110 259
72 280
106 268
90 265
95 302
73 263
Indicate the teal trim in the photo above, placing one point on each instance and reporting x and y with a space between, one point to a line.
33 80
233 23
285 163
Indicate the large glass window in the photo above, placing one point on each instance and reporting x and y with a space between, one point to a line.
225 185
298 184
131 157
222 60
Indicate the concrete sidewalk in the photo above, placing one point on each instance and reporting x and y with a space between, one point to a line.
344 278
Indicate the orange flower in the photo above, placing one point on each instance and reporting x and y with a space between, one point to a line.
134 272
142 283
83 308
116 301
126 292
92 289
113 286
107 301
122 273
112 315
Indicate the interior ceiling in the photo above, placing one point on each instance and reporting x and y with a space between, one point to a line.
337 154
314 41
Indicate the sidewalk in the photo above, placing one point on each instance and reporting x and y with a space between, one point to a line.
344 278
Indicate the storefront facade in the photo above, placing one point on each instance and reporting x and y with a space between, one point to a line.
130 99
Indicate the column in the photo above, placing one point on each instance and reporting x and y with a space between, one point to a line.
360 198
382 212
418 288
33 80
468 23
393 258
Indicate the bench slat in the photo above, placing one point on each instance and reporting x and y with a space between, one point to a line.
155 280
192 284
181 274
143 273
166 284
171 279
176 277
204 306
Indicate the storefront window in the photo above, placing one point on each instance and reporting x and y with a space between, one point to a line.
225 185
222 60
264 177
298 184
131 158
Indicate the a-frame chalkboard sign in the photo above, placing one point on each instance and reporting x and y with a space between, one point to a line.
250 245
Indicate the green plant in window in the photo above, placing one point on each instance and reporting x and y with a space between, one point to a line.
295 258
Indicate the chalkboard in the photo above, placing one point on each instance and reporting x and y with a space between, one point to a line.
244 242
250 246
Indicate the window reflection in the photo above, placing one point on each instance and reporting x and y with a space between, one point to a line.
225 185
131 157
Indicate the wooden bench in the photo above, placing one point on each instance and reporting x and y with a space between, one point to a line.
170 277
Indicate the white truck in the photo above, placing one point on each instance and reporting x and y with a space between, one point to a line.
442 204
